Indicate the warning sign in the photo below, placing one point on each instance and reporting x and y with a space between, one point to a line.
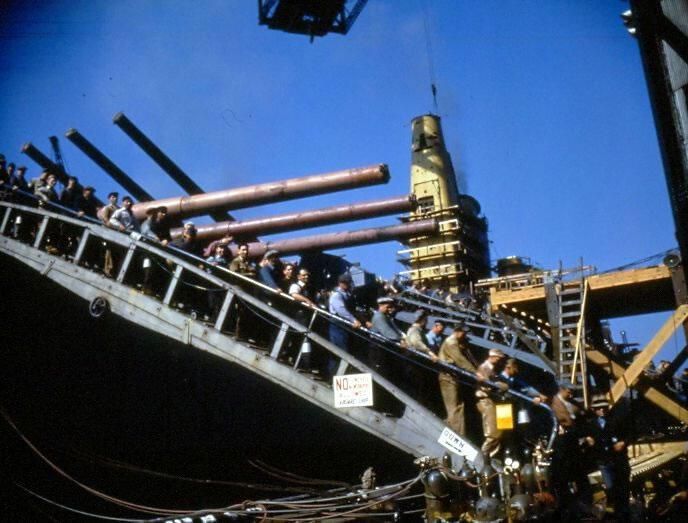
353 390
452 441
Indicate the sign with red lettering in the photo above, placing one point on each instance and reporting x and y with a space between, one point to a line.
353 390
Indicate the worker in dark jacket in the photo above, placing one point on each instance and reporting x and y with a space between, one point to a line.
606 435
569 478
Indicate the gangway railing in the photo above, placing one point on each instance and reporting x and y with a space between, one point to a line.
415 430
487 331
411 430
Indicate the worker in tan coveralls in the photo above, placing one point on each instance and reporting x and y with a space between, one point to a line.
454 351
488 370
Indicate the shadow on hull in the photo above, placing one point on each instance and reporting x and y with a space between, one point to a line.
82 389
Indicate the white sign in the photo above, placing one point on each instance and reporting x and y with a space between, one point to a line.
452 441
353 390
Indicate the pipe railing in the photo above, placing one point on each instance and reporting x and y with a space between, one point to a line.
200 268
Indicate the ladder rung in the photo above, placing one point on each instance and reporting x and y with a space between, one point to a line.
568 326
570 314
564 292
566 303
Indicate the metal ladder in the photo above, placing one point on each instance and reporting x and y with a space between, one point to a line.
571 347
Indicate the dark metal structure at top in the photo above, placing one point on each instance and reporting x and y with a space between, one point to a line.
310 17
661 28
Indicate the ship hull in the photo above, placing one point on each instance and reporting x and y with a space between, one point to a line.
87 390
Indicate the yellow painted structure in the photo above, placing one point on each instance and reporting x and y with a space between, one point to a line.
458 253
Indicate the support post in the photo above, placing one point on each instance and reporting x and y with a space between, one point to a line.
5 220
41 233
126 262
82 246
224 309
173 285
279 341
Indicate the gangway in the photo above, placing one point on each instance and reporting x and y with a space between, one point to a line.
488 331
414 431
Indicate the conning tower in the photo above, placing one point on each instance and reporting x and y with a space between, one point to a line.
458 254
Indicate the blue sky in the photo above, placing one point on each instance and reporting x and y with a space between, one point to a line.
544 107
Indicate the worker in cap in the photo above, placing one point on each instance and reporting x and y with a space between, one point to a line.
17 180
489 370
416 337
345 278
85 203
455 351
607 437
270 270
436 335
271 253
599 401
383 323
419 316
341 304
461 325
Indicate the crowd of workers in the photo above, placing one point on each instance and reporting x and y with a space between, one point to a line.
598 438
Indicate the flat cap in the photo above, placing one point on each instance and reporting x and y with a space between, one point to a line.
461 326
385 299
599 401
345 278
270 253
497 352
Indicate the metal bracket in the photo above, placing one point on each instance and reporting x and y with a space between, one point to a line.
48 267
5 220
186 332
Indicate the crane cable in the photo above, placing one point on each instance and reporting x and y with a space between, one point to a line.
428 48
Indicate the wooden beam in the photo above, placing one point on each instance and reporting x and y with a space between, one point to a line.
627 277
642 360
650 393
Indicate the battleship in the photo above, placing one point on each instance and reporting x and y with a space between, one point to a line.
142 394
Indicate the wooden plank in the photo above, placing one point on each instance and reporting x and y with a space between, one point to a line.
651 393
649 351
620 278
508 297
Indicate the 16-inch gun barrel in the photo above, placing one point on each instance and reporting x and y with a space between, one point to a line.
253 195
304 219
337 240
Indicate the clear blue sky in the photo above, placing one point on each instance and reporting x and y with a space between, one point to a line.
544 106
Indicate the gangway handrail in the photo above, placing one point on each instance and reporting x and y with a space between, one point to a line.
417 422
190 263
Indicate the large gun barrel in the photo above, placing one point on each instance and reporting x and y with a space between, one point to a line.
164 161
303 220
252 195
46 163
108 165
337 240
